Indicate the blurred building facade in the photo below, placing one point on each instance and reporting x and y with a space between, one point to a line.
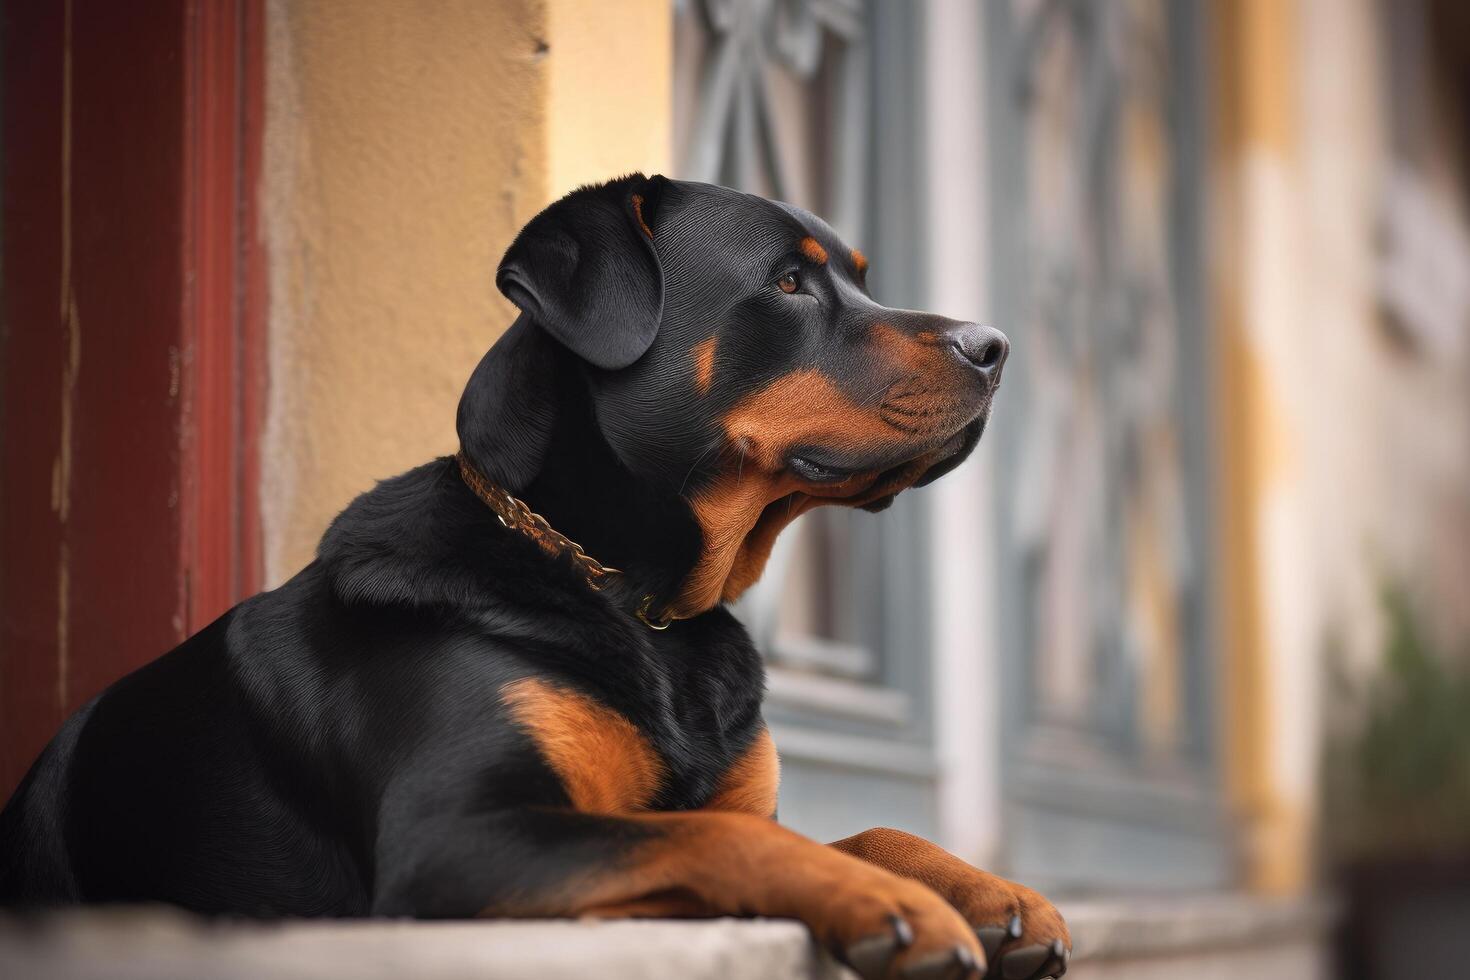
1228 240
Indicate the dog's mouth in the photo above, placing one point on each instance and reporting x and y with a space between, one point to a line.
955 451
873 485
839 480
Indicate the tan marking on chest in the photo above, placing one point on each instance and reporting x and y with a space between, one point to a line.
603 761
752 783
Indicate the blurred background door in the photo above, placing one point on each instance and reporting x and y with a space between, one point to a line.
1097 140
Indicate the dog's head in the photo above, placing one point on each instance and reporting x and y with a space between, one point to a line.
733 358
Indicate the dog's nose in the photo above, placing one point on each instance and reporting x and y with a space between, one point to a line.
984 347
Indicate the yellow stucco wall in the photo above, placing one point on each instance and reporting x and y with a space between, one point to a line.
610 107
405 145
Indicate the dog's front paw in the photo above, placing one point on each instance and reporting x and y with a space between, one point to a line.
1023 934
890 928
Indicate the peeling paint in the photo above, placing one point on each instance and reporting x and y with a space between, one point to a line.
63 648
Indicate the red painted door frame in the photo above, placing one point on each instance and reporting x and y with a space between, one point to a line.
224 306
131 342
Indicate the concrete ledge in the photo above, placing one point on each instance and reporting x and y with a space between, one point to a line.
1199 937
1134 928
162 944
1202 937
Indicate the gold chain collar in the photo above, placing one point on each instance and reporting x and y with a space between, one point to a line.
516 516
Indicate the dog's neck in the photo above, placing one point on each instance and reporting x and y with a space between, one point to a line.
588 495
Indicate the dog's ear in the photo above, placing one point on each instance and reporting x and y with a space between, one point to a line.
585 270
508 409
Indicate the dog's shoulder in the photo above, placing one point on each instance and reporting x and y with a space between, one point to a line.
411 541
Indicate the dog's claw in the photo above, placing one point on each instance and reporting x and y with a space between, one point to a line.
903 933
957 963
870 957
1023 963
991 938
1056 964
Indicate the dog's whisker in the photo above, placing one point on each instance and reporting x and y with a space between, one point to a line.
695 465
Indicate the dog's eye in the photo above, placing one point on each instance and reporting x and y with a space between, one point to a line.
789 283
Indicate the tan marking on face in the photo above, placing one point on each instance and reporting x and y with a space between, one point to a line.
704 364
901 347
638 213
813 250
803 407
603 761
860 261
741 512
752 783
917 351
934 394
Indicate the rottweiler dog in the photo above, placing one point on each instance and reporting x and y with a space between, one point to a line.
509 685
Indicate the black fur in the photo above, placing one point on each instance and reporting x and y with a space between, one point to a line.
586 271
338 746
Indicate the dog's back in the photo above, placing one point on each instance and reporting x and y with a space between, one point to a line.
157 790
